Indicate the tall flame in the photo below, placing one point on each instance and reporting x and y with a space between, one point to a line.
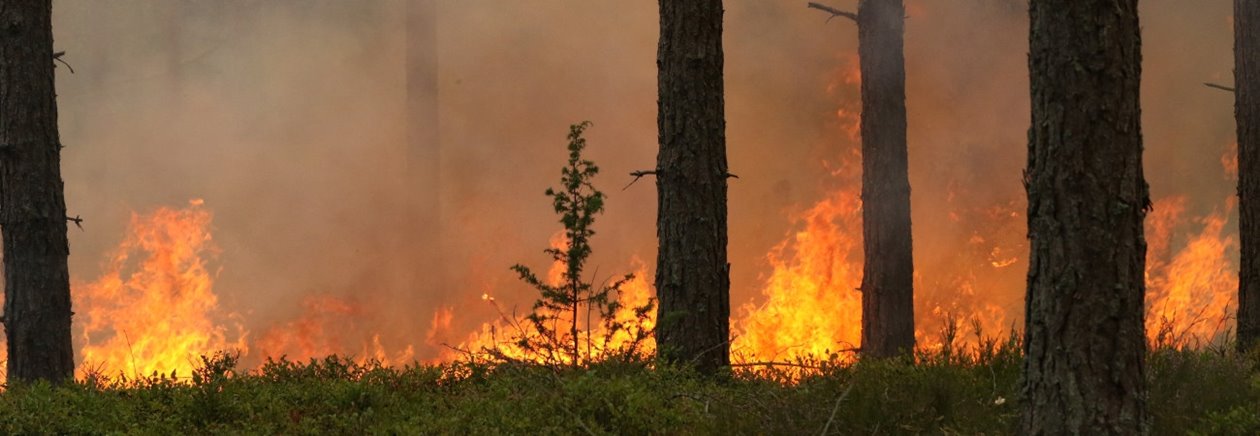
154 308
812 306
1191 293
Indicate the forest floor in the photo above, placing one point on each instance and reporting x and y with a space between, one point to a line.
1191 392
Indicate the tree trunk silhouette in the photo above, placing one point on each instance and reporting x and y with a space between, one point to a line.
32 203
888 269
1247 115
422 158
1087 197
692 274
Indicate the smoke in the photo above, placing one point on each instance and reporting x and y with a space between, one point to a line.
289 118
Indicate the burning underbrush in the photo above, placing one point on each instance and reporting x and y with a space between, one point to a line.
500 340
155 311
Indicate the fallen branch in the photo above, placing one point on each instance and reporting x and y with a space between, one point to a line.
790 364
833 11
1220 87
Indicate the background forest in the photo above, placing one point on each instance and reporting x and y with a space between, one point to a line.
305 178
290 123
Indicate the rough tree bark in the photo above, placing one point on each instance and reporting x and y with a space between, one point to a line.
32 204
888 269
1247 115
1087 197
692 274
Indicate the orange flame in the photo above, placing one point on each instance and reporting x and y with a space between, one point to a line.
154 309
812 307
1191 293
595 339
328 325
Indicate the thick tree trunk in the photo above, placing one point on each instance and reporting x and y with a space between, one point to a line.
888 270
1084 346
692 275
32 205
1247 114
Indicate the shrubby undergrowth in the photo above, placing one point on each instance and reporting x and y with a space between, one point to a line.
1192 392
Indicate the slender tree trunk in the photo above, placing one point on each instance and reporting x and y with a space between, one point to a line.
692 274
573 327
1084 346
422 158
172 43
1247 115
888 270
32 205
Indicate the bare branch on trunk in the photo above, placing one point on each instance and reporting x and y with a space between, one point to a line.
1220 87
833 11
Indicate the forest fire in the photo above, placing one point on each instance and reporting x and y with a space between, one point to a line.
328 325
771 217
625 333
812 306
1191 292
499 338
154 309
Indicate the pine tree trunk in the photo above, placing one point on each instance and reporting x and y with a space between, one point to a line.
1087 197
888 270
422 157
1247 115
32 205
692 274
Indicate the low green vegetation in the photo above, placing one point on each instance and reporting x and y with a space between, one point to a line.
1192 392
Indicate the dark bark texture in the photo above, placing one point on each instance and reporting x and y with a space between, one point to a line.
32 205
692 274
1087 197
1247 114
888 270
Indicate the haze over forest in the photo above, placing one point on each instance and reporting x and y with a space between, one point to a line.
288 119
